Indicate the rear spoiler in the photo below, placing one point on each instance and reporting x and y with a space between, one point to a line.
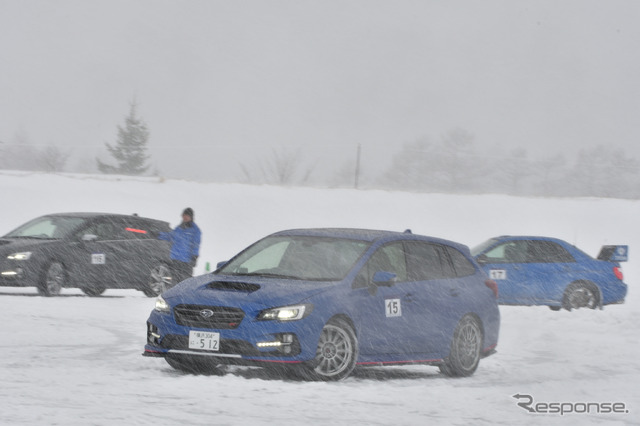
614 253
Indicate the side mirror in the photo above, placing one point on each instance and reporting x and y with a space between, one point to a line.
384 278
89 237
482 259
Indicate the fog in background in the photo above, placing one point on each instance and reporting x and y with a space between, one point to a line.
226 87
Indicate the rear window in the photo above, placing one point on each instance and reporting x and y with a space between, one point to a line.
461 264
427 262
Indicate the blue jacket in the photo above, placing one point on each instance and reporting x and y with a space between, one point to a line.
185 241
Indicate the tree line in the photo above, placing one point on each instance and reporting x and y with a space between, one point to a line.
451 164
454 164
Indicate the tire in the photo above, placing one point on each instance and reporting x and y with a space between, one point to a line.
194 365
464 357
336 354
159 280
555 308
53 279
580 295
94 291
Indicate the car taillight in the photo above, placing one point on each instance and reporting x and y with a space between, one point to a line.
493 286
617 271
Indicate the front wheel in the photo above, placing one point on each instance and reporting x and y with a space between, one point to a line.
94 291
580 295
159 280
52 279
336 354
464 357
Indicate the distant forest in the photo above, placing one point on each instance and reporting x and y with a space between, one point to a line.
452 164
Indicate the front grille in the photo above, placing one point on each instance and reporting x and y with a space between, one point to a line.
201 316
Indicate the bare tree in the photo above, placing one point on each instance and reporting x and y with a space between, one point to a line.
52 159
19 154
282 168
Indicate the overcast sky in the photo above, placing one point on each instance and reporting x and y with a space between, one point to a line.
223 82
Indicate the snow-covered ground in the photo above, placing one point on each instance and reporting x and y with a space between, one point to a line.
76 360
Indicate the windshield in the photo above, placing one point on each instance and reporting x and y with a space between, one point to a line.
47 227
298 257
482 247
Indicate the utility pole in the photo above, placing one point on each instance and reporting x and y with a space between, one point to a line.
357 166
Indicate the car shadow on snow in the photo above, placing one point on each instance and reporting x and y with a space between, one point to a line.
26 294
359 374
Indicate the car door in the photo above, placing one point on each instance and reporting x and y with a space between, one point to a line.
435 299
403 317
140 250
550 269
379 315
94 258
506 264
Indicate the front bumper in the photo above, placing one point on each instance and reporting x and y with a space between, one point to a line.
251 342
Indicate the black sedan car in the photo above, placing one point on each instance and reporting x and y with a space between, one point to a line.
90 251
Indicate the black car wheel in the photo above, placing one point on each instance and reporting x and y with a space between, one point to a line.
580 295
52 279
336 354
94 291
465 349
159 280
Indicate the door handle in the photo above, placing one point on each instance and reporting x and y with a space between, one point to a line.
409 297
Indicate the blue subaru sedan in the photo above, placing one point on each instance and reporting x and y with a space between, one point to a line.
319 302
548 271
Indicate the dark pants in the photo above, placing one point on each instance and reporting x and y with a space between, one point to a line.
180 271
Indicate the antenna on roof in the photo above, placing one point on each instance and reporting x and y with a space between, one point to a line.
408 231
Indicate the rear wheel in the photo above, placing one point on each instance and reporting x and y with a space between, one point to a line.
580 295
336 354
94 291
52 279
159 280
465 349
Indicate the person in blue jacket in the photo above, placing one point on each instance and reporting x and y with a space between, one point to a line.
185 246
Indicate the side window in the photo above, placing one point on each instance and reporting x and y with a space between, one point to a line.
427 262
389 258
548 252
102 230
509 252
106 230
463 267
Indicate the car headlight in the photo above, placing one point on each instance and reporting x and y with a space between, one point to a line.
24 255
162 305
285 313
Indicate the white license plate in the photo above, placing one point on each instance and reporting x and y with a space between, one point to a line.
204 340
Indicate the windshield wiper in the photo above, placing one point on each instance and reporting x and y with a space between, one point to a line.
268 275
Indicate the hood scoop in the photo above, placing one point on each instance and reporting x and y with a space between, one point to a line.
233 286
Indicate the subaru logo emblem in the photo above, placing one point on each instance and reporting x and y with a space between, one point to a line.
206 313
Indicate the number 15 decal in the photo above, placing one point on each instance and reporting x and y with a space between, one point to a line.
392 308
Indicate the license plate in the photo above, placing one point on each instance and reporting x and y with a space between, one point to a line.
204 340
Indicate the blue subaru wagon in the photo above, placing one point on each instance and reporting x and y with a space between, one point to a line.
547 271
319 302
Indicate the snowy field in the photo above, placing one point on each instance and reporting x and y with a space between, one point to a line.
76 360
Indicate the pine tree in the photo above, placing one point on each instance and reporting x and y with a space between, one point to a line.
130 149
